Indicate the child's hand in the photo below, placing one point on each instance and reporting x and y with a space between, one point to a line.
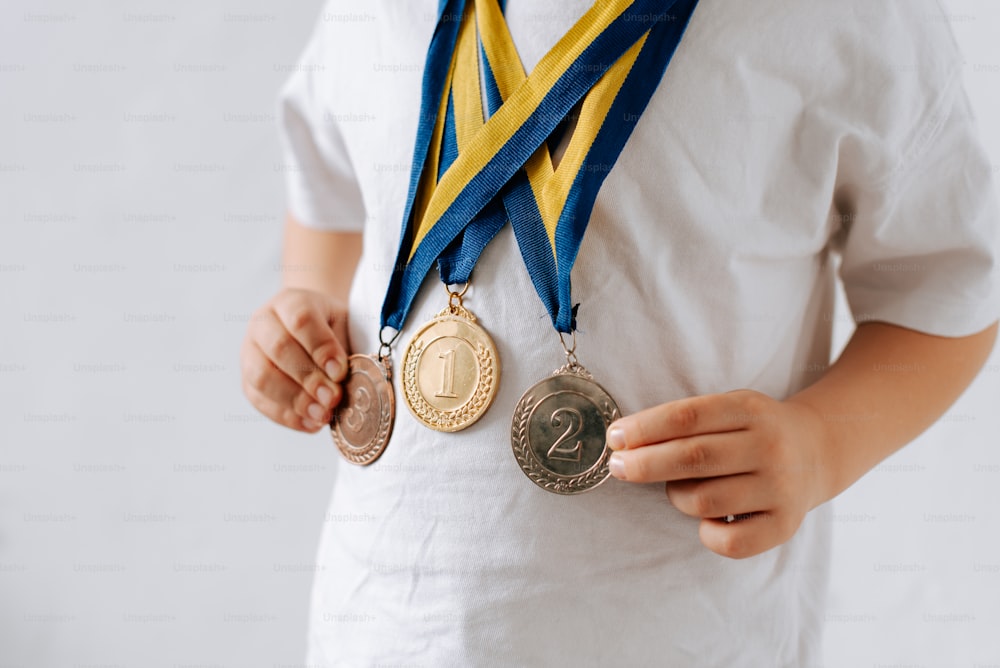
725 456
294 358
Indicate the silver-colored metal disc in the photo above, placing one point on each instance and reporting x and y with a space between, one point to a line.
558 432
363 422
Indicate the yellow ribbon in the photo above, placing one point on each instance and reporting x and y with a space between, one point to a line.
479 140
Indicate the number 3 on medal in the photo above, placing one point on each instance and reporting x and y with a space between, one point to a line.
559 451
354 416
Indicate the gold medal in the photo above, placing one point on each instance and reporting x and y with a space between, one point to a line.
451 370
362 423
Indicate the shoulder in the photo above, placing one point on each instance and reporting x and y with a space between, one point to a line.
876 71
845 45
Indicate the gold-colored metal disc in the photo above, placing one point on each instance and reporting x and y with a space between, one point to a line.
558 431
451 371
362 423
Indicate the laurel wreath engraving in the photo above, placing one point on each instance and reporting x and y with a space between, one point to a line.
536 471
464 414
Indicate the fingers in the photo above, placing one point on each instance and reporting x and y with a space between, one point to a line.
705 414
746 537
692 457
294 358
311 324
273 392
719 497
283 414
740 454
281 347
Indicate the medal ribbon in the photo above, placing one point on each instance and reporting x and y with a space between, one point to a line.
617 52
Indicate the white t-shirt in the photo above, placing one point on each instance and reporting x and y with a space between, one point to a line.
785 134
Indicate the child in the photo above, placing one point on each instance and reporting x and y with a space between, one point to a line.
787 143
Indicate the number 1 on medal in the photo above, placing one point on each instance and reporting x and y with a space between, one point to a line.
447 375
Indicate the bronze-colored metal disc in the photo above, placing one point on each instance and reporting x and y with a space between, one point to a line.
363 422
451 371
558 432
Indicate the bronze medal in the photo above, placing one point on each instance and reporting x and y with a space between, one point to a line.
451 371
362 423
558 432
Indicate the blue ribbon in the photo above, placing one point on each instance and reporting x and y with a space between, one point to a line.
502 189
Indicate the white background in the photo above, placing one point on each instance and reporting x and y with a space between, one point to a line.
148 517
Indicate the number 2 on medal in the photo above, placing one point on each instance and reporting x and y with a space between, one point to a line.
447 375
561 450
360 405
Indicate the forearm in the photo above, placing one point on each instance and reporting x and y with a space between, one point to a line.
888 386
319 260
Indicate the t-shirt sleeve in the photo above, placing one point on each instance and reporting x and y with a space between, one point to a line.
919 246
322 187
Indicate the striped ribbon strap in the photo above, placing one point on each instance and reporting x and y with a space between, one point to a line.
469 175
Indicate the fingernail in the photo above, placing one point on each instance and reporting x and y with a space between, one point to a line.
316 412
325 396
617 466
333 369
616 438
310 425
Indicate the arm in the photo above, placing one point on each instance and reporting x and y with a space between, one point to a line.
770 462
294 356
896 383
320 261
